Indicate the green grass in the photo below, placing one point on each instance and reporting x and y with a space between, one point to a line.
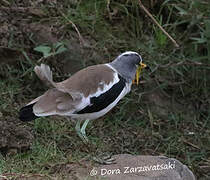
175 125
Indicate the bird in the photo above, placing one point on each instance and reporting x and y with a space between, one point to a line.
86 95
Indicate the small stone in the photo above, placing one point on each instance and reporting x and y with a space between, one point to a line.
133 167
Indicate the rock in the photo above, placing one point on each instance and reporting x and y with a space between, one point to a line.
131 167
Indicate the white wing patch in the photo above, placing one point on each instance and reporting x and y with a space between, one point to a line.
86 100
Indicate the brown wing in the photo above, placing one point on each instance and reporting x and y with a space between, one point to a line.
67 94
88 80
54 102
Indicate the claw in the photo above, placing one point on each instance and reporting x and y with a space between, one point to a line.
106 160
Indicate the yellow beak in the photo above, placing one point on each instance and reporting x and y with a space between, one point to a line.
138 71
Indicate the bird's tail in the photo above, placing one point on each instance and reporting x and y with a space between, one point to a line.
26 113
45 74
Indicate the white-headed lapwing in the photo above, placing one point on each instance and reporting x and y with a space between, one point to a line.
88 94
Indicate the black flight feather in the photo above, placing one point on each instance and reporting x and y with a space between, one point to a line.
101 102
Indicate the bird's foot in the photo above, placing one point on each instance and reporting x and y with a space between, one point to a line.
104 160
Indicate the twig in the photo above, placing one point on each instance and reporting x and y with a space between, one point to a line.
154 20
191 144
75 27
108 9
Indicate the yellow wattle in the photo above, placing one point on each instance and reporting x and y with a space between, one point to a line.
138 72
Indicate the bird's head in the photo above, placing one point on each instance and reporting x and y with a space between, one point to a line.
129 64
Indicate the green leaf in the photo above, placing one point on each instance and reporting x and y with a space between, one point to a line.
45 50
181 10
57 45
199 40
60 49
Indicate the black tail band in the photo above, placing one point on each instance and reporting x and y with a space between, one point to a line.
26 113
